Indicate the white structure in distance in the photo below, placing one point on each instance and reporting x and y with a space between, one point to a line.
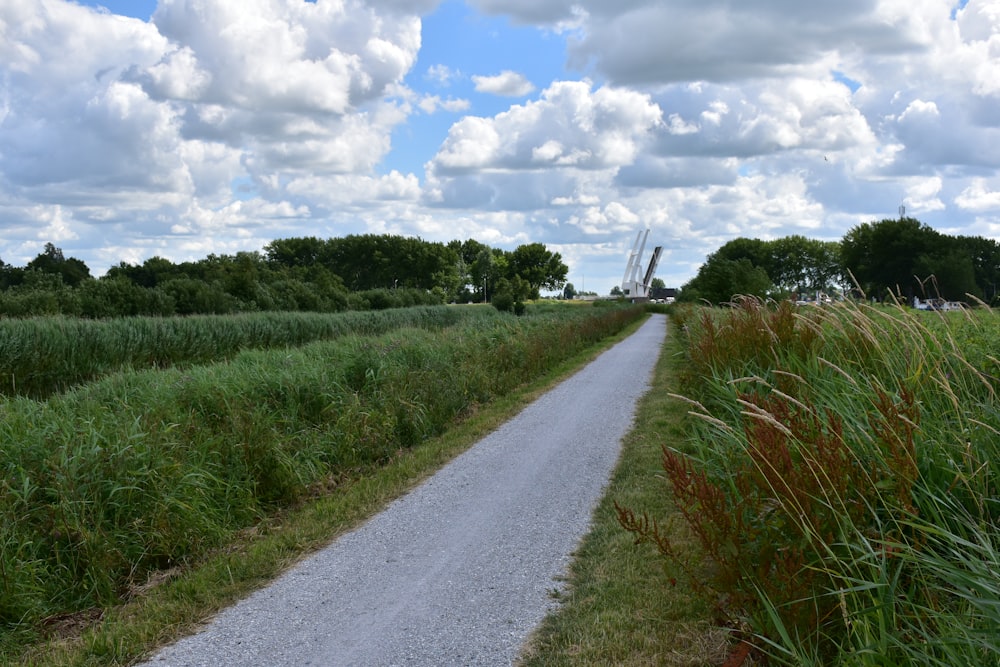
631 287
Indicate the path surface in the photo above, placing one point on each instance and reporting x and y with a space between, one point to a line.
460 570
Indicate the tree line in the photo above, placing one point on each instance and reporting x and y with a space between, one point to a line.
891 258
357 272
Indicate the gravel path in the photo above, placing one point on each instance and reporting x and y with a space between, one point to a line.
460 570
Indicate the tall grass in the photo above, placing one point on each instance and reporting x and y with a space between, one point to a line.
145 470
842 481
42 356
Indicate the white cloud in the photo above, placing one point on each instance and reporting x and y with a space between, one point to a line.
431 103
571 125
442 75
290 85
507 83
919 109
356 190
677 125
141 130
978 197
233 122
278 55
472 142
922 194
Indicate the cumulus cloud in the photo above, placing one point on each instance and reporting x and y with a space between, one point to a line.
291 85
646 41
101 112
507 83
226 123
980 196
570 125
268 55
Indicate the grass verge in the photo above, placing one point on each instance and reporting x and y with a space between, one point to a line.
621 605
176 602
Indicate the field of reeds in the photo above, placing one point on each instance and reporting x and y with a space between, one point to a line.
840 476
146 469
44 355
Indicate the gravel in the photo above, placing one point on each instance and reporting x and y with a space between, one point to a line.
460 570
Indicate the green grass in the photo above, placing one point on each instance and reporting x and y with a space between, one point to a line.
143 476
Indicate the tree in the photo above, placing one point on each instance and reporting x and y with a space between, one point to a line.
372 261
719 280
890 255
510 295
984 255
10 276
293 252
487 270
154 271
947 274
799 264
758 252
569 292
51 260
539 267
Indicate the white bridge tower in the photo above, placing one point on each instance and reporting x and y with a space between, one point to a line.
632 288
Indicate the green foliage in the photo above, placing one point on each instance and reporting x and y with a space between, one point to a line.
840 478
42 356
71 271
720 280
300 274
510 294
148 469
907 258
752 267
538 267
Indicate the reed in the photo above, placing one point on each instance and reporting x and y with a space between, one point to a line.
43 356
841 479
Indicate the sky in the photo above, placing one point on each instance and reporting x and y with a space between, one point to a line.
182 128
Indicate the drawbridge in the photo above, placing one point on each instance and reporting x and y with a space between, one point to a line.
632 287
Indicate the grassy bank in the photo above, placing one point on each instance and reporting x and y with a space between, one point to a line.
150 476
839 480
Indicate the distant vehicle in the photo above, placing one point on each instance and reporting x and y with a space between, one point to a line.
821 299
937 304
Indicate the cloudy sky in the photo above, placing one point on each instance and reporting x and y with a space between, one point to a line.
181 128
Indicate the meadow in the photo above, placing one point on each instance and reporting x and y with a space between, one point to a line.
835 492
154 463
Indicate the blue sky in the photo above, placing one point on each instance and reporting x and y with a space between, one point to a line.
180 128
468 43
140 9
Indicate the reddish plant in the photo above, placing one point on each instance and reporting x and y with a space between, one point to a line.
769 518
